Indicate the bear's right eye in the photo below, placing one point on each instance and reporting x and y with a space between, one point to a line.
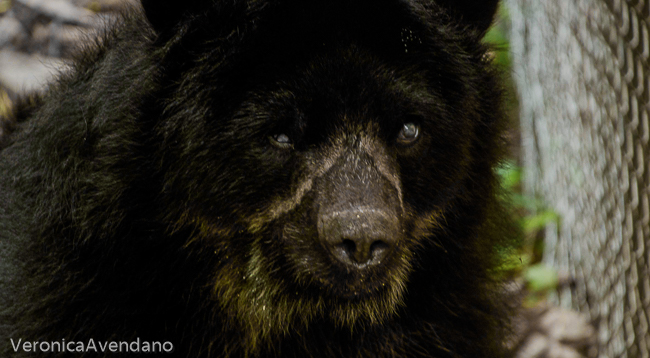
409 134
281 141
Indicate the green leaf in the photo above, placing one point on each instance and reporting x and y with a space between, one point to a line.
532 224
541 278
509 174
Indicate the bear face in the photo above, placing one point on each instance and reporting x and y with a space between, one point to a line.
320 115
249 178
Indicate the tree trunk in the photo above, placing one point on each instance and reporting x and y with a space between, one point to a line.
582 71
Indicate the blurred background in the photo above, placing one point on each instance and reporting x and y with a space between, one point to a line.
577 178
580 72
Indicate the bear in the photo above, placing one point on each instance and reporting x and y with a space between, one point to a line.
254 178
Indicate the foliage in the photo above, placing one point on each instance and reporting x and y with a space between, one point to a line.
5 103
530 214
4 5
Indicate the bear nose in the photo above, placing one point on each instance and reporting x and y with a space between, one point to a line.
358 237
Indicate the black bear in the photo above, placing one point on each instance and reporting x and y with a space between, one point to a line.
256 178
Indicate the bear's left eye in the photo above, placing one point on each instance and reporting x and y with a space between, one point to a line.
281 141
408 134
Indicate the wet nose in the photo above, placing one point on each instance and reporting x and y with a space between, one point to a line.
358 237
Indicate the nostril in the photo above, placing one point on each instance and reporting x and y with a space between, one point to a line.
361 252
378 250
346 248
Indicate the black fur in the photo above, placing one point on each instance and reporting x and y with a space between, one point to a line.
147 195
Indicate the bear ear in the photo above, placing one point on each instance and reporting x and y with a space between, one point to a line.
165 14
476 13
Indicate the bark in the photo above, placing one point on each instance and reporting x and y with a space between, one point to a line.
582 72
